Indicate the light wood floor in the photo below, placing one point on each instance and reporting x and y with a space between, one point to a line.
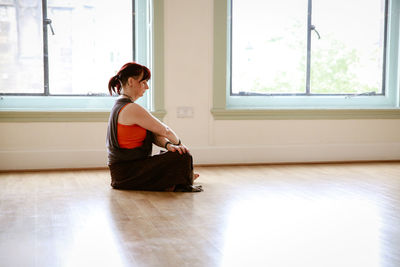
335 215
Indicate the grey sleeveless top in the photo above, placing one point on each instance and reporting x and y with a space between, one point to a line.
115 152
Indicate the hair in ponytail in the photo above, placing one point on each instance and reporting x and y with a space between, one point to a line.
131 69
114 85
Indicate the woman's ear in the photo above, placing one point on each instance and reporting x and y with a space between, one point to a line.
130 81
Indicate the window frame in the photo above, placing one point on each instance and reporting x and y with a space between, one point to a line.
70 108
227 107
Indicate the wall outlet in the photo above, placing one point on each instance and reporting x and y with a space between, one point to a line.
184 112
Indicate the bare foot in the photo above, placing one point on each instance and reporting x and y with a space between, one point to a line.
196 175
170 189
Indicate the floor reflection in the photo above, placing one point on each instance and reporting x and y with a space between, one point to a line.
274 230
278 216
152 226
93 241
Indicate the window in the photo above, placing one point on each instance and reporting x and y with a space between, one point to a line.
308 47
305 55
60 54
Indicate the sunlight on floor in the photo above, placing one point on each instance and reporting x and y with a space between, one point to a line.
295 231
94 241
269 216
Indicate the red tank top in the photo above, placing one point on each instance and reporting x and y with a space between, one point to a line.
130 136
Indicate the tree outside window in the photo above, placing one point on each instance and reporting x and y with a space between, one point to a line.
270 41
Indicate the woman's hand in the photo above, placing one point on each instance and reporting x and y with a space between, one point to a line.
180 148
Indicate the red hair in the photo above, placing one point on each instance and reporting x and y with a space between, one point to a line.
130 69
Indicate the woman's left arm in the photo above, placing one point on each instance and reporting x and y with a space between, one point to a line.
161 141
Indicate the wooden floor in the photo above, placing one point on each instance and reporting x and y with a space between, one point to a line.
333 215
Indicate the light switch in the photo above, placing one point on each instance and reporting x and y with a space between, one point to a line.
184 112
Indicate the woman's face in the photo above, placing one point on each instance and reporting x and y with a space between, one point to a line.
138 87
141 88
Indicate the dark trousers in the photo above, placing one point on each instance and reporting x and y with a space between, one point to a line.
155 173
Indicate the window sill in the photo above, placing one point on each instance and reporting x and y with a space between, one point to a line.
304 114
59 109
61 116
53 116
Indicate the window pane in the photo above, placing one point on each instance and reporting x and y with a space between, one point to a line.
269 46
348 57
92 39
21 46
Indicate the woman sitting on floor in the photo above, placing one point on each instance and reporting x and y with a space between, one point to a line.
131 132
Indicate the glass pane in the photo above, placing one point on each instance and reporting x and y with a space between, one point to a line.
269 46
21 46
348 57
143 44
92 40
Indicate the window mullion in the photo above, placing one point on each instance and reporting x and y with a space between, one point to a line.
385 36
308 73
134 30
45 49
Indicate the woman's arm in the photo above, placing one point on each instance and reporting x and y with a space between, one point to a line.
165 143
160 140
135 114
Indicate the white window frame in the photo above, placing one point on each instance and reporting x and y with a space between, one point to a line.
226 106
21 108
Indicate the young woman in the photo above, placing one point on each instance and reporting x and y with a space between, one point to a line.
131 132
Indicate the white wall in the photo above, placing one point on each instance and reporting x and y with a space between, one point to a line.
188 82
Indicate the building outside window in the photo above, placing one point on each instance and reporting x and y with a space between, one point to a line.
69 49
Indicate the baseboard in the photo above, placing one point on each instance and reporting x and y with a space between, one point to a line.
221 155
52 159
297 153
